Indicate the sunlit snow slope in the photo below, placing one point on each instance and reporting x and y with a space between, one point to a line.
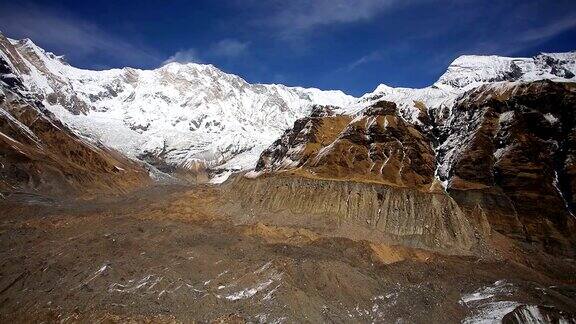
179 116
468 72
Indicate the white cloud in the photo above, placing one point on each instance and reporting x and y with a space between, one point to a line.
295 18
185 56
371 57
62 32
229 48
226 48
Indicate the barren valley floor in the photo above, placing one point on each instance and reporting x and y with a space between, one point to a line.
163 255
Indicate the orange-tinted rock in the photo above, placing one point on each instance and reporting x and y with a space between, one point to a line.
377 146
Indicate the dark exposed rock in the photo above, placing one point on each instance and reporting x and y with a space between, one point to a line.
515 143
322 111
382 108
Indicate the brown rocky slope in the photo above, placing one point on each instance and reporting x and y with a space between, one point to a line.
40 154
505 155
369 176
508 158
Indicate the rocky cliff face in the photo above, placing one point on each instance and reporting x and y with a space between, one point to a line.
505 153
375 146
356 210
508 150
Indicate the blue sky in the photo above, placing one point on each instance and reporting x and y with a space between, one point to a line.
329 44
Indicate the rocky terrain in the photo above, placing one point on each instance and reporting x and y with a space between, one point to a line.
508 153
40 154
169 254
451 203
505 155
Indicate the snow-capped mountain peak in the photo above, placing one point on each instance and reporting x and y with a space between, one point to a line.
175 116
470 71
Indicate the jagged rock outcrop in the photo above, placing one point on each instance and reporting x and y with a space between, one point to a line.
308 135
375 146
508 154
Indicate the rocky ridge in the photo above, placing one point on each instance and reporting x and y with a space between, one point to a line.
505 155
39 154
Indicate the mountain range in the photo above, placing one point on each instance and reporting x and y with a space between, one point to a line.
200 123
188 191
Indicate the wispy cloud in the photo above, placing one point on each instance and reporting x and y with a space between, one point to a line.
70 35
184 56
371 57
229 48
298 18
226 48
545 32
301 15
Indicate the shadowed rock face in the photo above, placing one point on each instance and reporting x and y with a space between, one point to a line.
38 152
509 153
